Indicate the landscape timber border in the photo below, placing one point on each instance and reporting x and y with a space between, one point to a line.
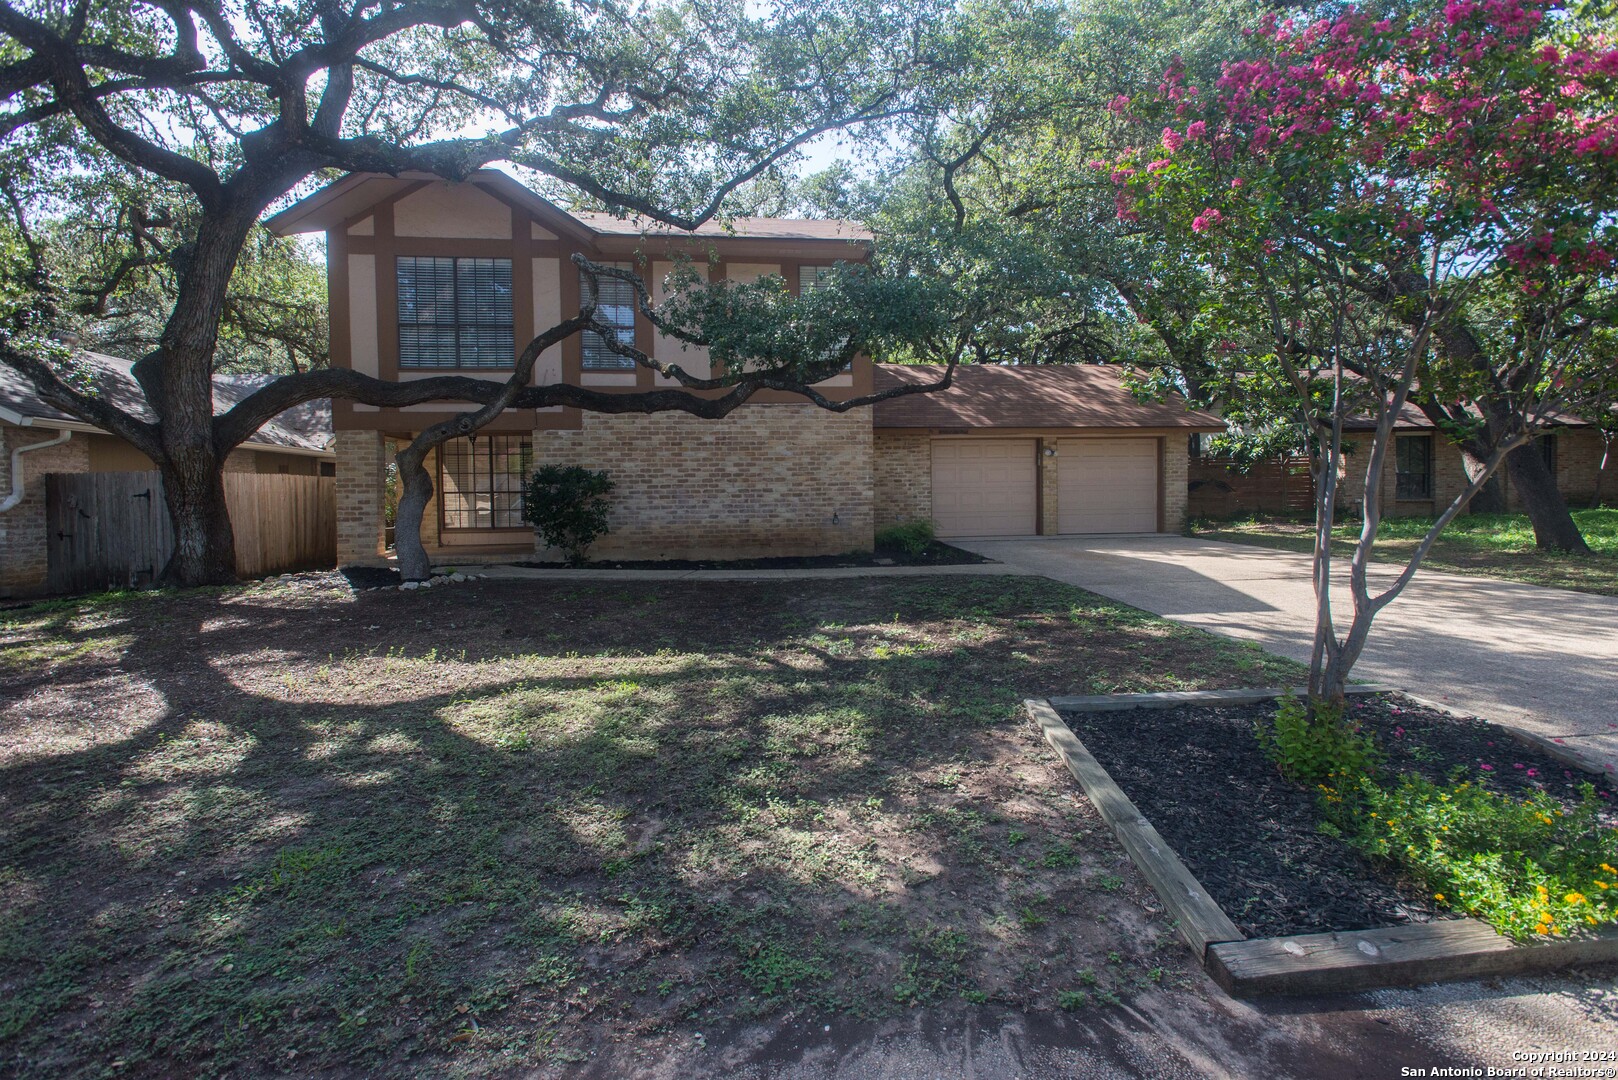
1341 961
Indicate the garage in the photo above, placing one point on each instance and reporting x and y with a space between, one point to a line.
985 487
1107 486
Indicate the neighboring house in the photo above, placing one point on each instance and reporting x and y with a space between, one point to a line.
429 277
1424 474
296 442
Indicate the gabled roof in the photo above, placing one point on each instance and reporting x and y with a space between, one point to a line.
306 428
1089 396
355 193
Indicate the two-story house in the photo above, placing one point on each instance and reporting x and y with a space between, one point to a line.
428 277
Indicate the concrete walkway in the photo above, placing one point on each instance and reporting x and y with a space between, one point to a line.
1541 660
560 573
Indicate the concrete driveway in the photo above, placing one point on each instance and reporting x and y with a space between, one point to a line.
1543 660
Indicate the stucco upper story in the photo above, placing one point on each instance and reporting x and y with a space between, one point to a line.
387 238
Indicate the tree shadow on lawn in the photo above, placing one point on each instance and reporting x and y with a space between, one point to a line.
549 835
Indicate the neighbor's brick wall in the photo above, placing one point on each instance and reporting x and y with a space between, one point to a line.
766 480
1174 461
359 498
1049 465
902 467
23 554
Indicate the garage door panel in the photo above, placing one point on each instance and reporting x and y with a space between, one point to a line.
1107 485
984 487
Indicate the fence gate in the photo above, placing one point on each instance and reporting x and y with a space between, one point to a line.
111 530
105 530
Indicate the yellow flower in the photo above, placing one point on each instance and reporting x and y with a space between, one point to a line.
1438 896
1544 893
1608 869
1573 898
1541 929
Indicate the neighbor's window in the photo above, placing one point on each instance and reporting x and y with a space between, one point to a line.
1547 451
455 313
482 479
1414 463
811 278
615 306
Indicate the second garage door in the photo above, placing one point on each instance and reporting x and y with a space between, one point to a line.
1106 485
984 487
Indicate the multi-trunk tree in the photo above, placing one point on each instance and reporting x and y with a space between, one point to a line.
229 107
1404 207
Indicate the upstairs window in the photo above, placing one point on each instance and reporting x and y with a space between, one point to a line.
615 306
455 313
481 481
1413 455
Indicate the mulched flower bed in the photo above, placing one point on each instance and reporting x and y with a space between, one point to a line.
936 554
1249 834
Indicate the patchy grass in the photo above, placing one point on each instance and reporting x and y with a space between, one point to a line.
503 827
1487 545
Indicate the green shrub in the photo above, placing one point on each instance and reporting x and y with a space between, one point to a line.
1525 866
567 505
1314 744
912 537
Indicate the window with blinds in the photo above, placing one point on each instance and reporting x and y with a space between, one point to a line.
481 481
455 313
811 278
615 306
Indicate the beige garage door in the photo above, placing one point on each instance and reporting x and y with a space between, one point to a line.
984 487
1106 485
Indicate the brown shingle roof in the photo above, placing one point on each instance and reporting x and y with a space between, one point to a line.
1050 396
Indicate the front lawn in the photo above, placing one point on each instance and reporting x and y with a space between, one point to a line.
500 827
1489 545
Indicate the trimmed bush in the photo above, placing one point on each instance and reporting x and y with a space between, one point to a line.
912 537
567 505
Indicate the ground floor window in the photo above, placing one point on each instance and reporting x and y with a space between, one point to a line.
481 481
1547 452
1414 465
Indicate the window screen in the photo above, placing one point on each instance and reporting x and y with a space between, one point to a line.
455 313
615 306
482 479
1414 464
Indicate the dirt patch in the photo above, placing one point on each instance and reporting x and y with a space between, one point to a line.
303 827
1249 834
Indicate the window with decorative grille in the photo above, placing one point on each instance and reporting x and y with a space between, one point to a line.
455 313
482 480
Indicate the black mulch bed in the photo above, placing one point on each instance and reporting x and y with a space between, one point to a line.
936 555
1250 836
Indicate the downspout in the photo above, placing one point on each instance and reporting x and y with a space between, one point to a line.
16 467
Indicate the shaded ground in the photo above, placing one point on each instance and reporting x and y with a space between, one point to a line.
1489 545
1251 836
511 826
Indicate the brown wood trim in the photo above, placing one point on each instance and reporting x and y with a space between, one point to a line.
522 281
387 296
1065 433
448 247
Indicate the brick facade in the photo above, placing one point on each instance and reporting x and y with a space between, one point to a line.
23 553
1173 466
1578 459
902 466
359 498
767 480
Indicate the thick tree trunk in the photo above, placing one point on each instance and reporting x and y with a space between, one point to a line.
1554 528
415 492
1491 497
204 544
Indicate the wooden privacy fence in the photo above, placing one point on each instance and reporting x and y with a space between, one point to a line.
1277 486
111 530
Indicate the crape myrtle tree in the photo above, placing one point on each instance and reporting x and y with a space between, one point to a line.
1359 189
228 107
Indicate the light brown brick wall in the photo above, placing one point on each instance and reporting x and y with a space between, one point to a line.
359 498
23 554
902 467
767 480
1049 497
1174 462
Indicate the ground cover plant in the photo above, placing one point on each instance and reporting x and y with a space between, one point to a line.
1489 545
292 827
1445 816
